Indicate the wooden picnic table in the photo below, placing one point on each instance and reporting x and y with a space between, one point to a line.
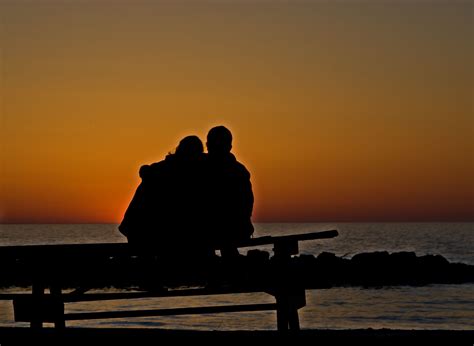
48 266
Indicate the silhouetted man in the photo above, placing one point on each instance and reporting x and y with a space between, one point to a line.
230 197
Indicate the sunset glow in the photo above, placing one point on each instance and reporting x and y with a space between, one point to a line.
341 111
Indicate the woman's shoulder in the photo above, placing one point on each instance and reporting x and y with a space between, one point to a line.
153 169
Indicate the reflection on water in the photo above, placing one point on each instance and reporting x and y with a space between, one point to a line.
430 307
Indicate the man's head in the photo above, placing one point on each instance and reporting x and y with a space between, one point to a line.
219 140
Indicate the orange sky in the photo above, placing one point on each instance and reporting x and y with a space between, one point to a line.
358 111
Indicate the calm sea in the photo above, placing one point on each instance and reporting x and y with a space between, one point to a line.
402 307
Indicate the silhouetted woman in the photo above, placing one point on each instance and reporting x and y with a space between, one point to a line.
166 214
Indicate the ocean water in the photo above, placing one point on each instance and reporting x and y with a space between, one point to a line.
400 307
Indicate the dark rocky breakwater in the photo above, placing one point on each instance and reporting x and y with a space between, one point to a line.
257 268
381 269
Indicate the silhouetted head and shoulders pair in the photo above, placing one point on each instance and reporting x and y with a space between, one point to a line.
190 150
193 200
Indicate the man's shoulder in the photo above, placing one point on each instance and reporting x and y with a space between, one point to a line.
228 164
240 169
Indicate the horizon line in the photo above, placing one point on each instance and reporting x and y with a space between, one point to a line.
254 222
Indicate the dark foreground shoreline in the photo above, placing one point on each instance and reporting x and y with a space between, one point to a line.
135 336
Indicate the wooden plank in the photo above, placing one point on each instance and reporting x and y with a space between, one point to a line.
171 293
56 293
112 249
282 315
293 319
12 296
70 298
293 237
169 312
65 250
123 249
37 310
37 292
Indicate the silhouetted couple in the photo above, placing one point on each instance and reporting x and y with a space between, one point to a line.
191 202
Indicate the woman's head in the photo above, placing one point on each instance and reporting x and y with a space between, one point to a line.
190 147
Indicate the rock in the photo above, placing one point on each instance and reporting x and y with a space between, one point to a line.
326 270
